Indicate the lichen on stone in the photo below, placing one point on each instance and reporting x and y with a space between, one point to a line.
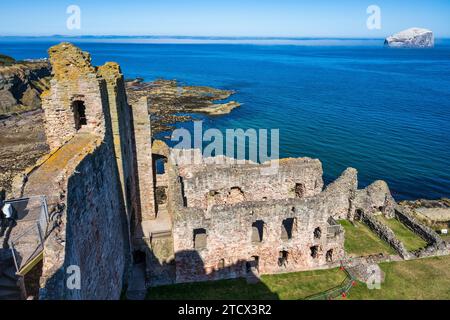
69 62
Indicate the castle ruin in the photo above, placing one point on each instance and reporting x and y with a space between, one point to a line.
194 222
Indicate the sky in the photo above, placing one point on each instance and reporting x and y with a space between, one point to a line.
231 18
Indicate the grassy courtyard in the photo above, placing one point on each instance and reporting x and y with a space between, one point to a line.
290 286
410 239
361 241
417 279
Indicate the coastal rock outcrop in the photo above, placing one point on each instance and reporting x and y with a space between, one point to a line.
21 84
411 38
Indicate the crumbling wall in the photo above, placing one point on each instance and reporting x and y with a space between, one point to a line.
145 171
91 235
375 198
224 184
74 79
123 136
385 233
426 233
342 191
230 233
91 230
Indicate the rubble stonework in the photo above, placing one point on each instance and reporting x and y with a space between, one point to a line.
375 198
75 83
224 184
121 115
145 172
90 177
229 250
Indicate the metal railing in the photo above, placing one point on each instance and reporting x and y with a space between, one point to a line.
26 238
340 291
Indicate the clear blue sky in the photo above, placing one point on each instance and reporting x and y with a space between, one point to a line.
279 18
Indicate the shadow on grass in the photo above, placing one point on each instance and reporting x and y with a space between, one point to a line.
214 285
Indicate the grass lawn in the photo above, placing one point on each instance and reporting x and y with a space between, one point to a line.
290 286
361 241
416 279
411 240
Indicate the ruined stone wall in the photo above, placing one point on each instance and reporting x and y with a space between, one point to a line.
230 243
145 171
385 233
342 191
91 230
222 184
94 230
74 79
375 198
123 136
426 233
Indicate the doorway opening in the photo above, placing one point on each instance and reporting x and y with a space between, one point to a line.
79 112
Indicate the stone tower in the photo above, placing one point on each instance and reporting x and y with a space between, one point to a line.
77 100
88 99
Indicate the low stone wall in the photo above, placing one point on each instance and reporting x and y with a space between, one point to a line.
385 233
428 234
436 246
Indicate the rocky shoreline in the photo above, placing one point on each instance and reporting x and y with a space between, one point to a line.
21 85
171 103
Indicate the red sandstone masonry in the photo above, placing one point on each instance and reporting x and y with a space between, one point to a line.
145 171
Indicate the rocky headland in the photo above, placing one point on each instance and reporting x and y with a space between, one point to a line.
21 84
411 38
172 103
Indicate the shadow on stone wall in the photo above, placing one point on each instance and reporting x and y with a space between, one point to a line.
195 282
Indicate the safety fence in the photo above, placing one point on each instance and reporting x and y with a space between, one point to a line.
340 291
26 236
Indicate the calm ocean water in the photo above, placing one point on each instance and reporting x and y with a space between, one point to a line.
384 112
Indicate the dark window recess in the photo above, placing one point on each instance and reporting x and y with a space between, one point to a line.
283 259
200 238
299 190
314 251
359 214
79 112
257 231
329 255
317 233
287 228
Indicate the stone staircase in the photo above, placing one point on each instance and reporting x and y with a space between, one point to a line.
9 281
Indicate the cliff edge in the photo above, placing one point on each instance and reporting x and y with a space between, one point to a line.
21 84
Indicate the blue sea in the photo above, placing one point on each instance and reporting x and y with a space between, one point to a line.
354 103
